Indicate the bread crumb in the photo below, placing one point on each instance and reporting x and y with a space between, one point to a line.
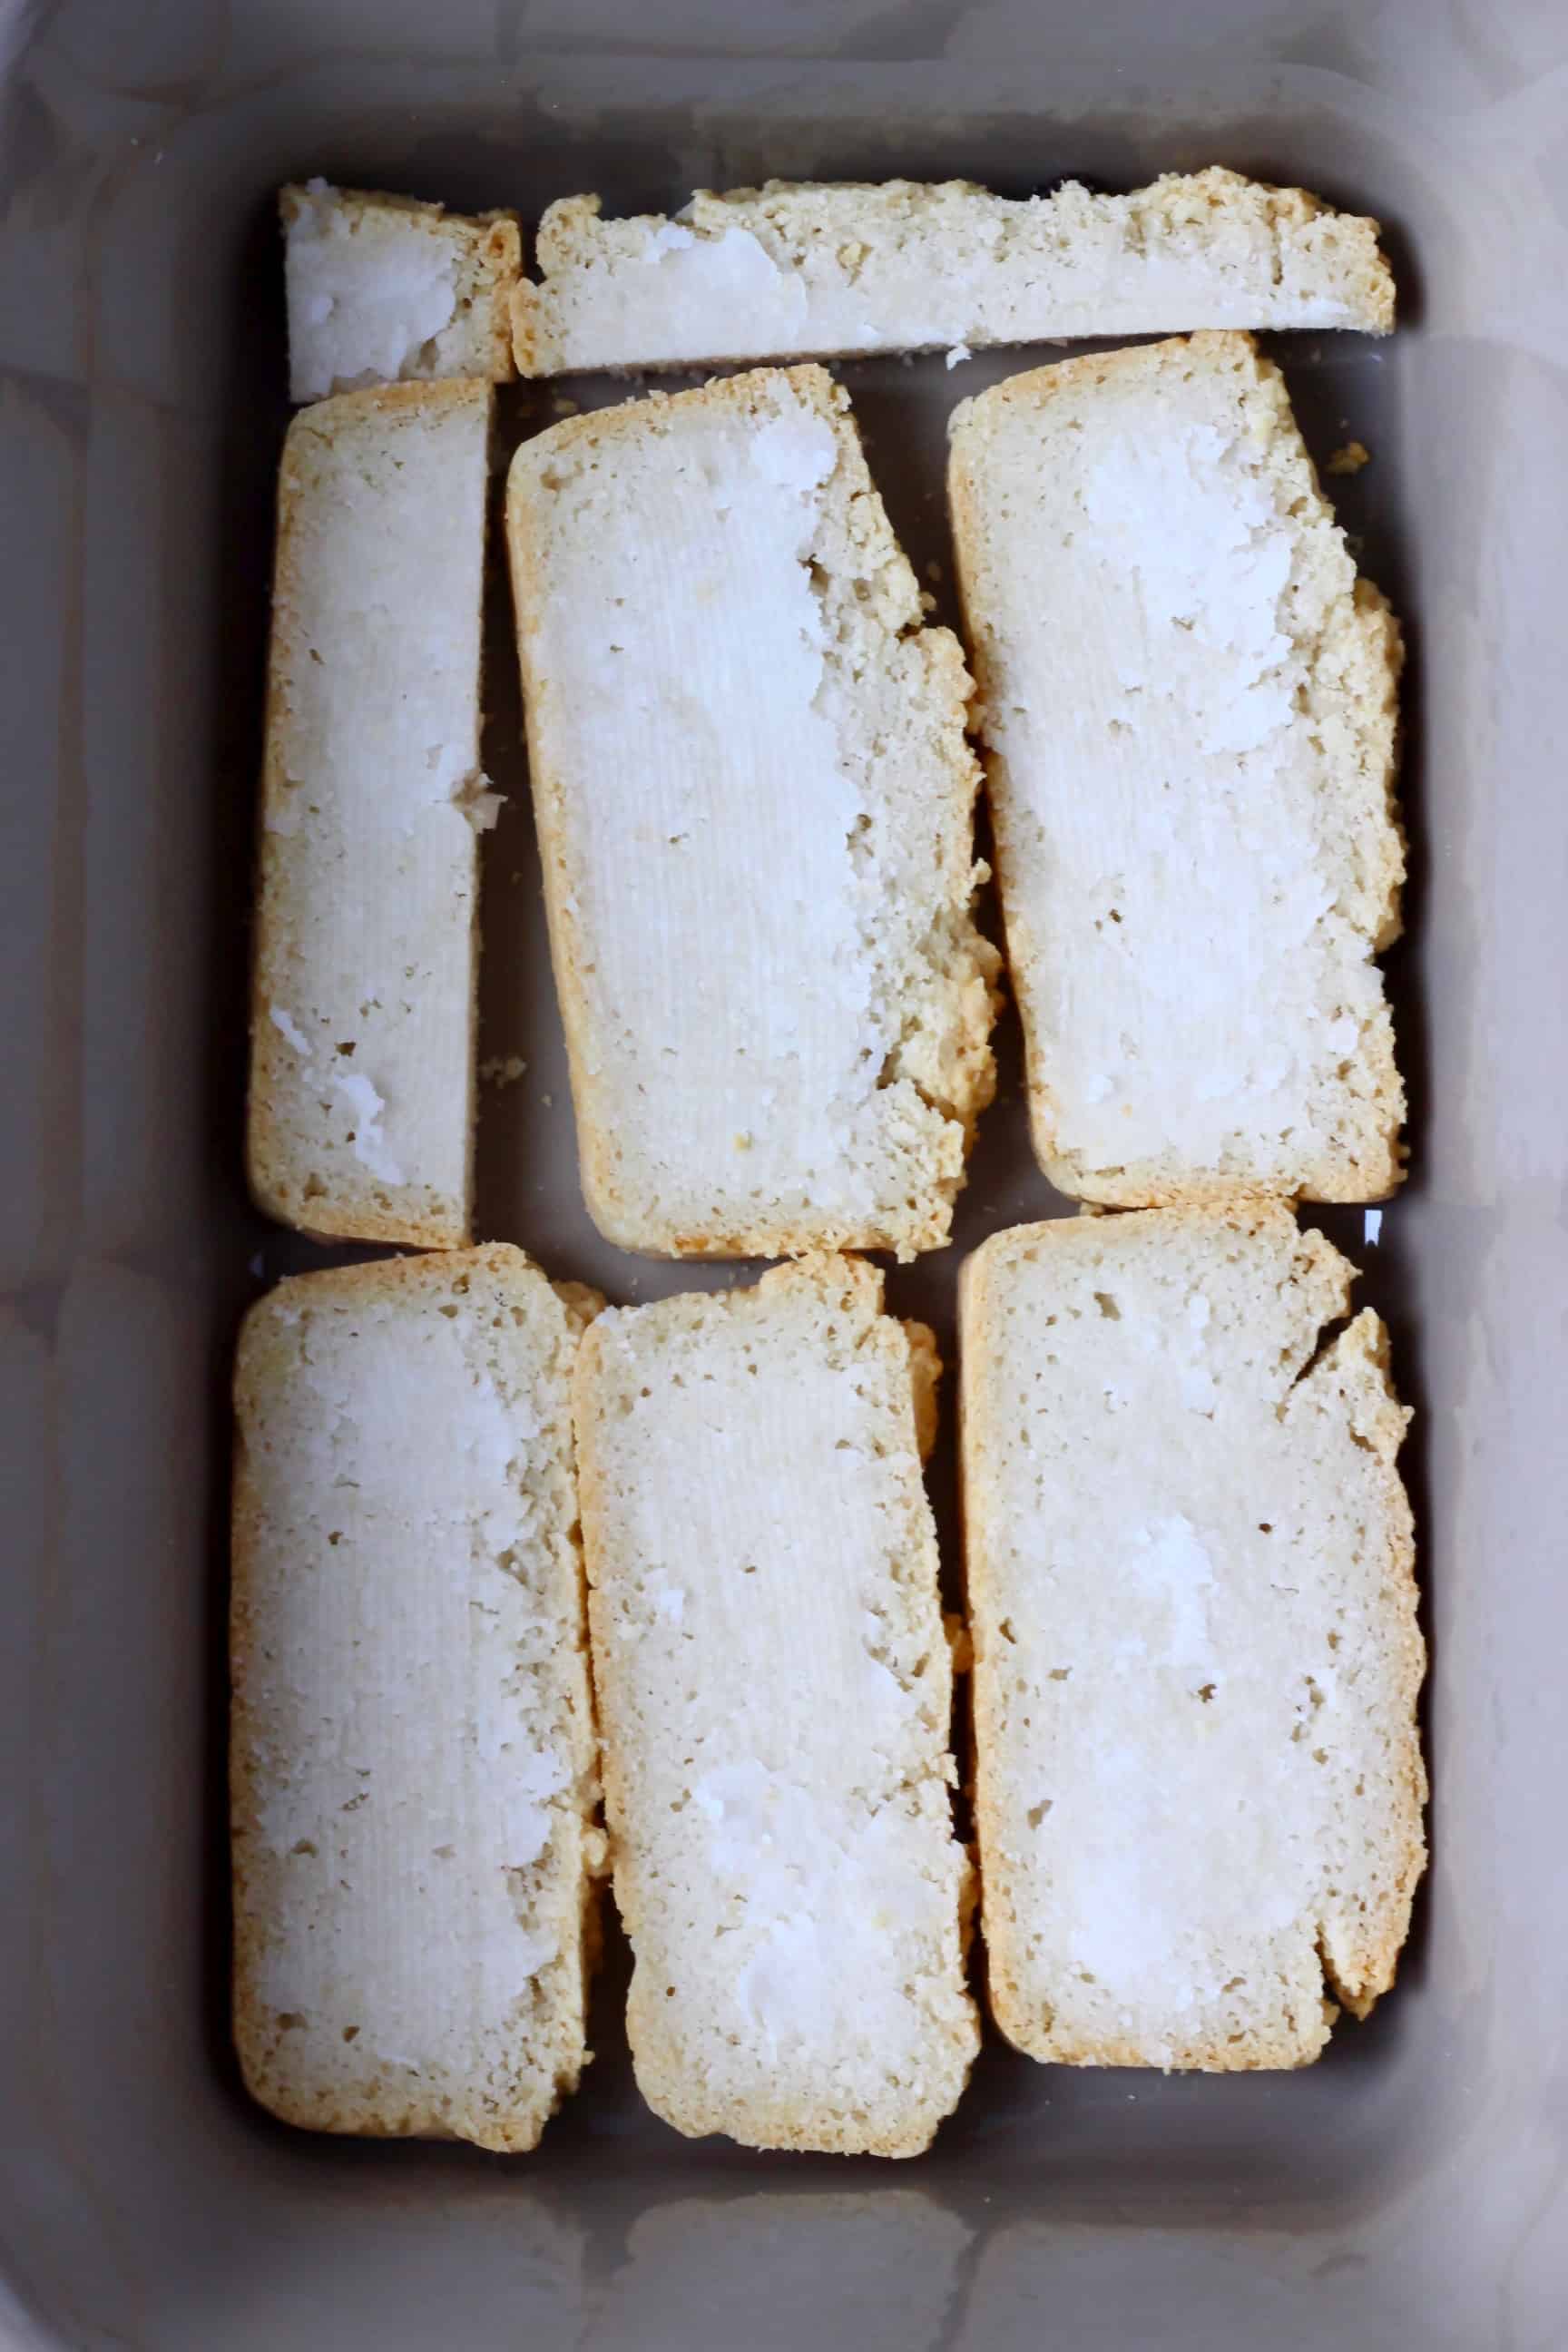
477 799
1350 458
501 1069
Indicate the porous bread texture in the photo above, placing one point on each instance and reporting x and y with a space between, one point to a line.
1189 704
412 1760
1198 1779
802 270
755 803
362 1081
775 1693
384 288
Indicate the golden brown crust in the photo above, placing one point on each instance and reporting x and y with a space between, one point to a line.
502 267
925 1377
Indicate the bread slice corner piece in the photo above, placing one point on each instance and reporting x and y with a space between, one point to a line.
755 807
803 270
1199 1785
412 1762
1188 702
360 1122
386 290
775 1694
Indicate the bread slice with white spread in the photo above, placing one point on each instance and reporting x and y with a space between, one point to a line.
386 289
412 1760
756 803
1199 1785
775 1691
1189 700
811 270
362 1075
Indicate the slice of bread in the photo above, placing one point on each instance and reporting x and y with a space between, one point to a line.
1189 703
791 271
774 1693
384 288
363 1006
411 1758
1197 1660
755 803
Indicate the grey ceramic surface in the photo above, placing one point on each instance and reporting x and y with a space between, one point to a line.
1409 2191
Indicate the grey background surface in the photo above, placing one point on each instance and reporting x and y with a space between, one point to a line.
1410 2190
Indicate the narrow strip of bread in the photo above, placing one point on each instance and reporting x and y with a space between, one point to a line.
791 271
1199 1779
775 1692
754 802
363 1006
1189 703
412 1761
382 290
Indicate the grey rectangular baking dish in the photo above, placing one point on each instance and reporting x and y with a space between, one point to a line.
1410 2190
